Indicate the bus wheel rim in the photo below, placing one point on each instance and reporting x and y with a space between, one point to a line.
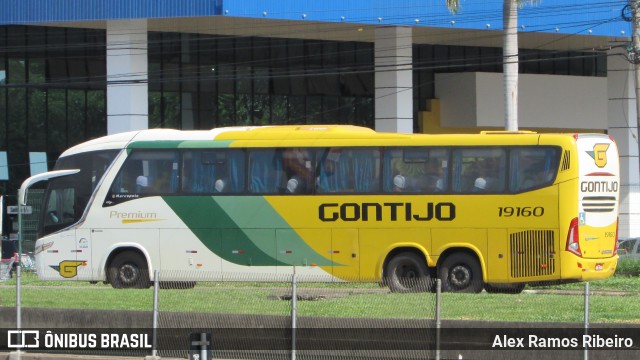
460 276
128 273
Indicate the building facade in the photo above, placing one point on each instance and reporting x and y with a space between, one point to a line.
75 70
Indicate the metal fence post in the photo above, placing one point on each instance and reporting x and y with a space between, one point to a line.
19 269
294 313
156 286
586 317
438 318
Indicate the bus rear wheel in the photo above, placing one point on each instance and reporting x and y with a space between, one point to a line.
129 270
407 272
461 272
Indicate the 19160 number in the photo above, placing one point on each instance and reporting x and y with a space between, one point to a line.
526 211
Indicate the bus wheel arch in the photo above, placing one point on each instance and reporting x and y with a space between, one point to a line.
128 268
459 270
405 270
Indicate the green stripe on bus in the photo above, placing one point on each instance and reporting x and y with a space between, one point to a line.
180 144
242 230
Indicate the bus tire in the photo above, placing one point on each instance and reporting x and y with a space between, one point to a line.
407 272
129 270
504 288
461 272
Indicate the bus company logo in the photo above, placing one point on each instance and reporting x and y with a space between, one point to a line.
599 154
399 211
68 268
18 339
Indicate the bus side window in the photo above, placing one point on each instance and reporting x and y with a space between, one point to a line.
479 170
148 172
348 170
532 168
212 171
266 175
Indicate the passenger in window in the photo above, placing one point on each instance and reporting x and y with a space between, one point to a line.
399 183
220 186
434 177
490 171
297 165
480 185
142 184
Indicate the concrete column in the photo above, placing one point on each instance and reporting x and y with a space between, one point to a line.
394 79
127 75
623 127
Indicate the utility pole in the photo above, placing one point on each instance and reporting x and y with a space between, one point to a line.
634 53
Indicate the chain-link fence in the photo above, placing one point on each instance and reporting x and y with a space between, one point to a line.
282 316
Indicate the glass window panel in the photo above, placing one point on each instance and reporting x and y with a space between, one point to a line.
213 171
155 109
561 63
16 42
261 110
279 109
76 106
297 110
416 170
148 172
243 109
533 167
3 118
207 110
244 77
171 110
57 121
601 64
331 109
261 80
242 50
4 166
58 70
266 173
226 109
155 76
56 42
348 170
96 114
38 162
97 73
171 76
17 71
37 72
479 170
37 120
225 76
3 71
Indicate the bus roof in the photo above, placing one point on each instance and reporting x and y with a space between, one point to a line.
304 135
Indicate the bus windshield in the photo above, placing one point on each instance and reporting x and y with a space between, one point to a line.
67 197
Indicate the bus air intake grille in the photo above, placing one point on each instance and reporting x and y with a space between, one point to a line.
599 204
532 253
566 161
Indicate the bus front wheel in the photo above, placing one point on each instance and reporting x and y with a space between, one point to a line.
129 270
461 272
407 272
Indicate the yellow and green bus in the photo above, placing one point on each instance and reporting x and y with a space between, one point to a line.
493 211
